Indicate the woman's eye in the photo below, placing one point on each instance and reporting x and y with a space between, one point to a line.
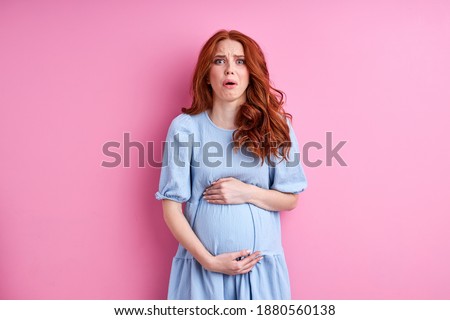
219 61
240 61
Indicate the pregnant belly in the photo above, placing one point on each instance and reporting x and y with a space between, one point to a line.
225 228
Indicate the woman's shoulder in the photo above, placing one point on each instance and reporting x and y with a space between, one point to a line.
182 119
186 123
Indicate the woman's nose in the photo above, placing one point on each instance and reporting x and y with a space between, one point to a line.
229 69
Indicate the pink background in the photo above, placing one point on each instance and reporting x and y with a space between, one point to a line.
79 74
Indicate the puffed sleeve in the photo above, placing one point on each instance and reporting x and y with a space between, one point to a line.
288 176
175 179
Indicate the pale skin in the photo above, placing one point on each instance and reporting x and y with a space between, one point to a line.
233 191
228 65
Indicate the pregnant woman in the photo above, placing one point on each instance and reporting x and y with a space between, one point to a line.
233 159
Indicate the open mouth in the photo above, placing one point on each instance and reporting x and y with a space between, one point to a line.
229 83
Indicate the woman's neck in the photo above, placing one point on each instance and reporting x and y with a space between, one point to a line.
224 115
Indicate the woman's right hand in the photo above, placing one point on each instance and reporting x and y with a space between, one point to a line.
233 263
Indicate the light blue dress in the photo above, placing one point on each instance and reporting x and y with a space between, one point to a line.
198 152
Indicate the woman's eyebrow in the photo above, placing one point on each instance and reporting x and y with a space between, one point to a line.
223 56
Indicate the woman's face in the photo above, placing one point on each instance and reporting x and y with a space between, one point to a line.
229 75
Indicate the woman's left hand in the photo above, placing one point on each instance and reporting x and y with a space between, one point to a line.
228 191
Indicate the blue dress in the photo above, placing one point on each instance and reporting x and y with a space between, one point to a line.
197 152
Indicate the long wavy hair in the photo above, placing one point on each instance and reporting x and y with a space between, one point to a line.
261 120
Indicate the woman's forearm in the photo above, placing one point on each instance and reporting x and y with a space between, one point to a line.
272 200
230 190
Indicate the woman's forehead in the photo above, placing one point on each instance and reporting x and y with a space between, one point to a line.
229 47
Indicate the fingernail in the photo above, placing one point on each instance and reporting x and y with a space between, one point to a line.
248 251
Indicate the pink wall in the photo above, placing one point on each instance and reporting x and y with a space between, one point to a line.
76 75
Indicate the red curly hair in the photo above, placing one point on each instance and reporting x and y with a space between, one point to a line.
261 120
